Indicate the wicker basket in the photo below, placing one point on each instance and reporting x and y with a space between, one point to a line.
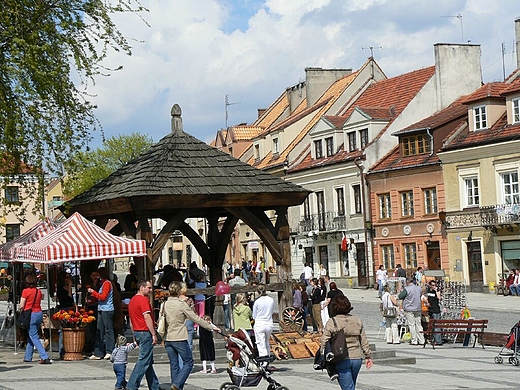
73 343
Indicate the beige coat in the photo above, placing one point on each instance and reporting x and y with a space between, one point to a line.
177 312
357 342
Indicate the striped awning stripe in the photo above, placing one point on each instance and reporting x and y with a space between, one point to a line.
78 239
8 250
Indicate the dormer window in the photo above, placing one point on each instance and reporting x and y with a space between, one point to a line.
363 136
276 146
516 110
415 144
257 152
318 149
480 117
330 146
352 141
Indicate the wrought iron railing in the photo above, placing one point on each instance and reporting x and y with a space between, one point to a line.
486 216
328 221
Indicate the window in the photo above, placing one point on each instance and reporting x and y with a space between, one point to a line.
510 187
387 256
11 194
410 255
430 201
306 209
12 231
276 146
480 117
318 149
415 144
516 110
257 152
472 196
330 146
385 208
352 141
340 199
407 204
356 188
320 201
230 151
363 136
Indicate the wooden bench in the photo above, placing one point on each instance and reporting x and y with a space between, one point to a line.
461 327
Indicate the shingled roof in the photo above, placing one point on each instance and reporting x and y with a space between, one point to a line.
181 171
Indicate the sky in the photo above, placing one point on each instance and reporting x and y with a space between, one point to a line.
194 53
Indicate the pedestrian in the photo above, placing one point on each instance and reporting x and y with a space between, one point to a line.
316 298
305 305
143 327
419 276
263 315
382 277
176 344
31 300
434 307
334 292
242 314
400 272
411 297
323 271
119 359
104 343
356 340
391 329
131 280
207 348
307 274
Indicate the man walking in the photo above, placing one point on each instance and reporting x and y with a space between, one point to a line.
142 322
411 297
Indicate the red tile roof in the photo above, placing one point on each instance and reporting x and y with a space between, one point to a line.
499 132
378 113
394 161
308 162
487 91
512 88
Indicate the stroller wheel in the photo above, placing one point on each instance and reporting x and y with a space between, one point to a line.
233 387
282 388
225 386
498 360
515 361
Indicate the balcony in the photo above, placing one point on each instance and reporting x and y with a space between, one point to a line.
329 221
489 217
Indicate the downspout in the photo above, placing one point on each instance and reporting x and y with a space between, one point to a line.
431 140
363 204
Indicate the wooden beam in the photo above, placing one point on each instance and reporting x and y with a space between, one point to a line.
253 220
196 241
165 233
128 224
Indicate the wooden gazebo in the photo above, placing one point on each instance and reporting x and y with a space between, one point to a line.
181 177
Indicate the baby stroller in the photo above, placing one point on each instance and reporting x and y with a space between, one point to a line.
251 368
510 348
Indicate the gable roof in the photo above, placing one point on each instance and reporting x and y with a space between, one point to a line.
181 169
487 91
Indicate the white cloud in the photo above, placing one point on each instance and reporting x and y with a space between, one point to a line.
194 53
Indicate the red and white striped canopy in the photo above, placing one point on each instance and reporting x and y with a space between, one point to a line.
78 239
8 250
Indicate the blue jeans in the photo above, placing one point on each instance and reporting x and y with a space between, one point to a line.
34 338
380 283
437 337
144 365
105 333
348 371
120 371
226 315
191 331
174 349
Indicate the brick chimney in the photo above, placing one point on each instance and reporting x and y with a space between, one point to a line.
261 111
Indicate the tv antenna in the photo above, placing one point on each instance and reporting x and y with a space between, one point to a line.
227 105
372 49
458 16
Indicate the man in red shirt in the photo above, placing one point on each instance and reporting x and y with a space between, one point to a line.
143 327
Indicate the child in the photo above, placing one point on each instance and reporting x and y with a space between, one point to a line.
207 347
120 359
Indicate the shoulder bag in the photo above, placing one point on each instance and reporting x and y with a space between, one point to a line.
389 312
24 319
161 325
338 345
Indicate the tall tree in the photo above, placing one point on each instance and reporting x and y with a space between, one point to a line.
50 51
93 166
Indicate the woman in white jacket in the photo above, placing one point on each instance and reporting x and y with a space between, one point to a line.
391 331
263 316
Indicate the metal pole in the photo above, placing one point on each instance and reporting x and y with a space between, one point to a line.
15 308
49 309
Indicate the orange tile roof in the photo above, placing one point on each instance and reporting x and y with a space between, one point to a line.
244 132
512 88
336 121
317 110
394 161
378 112
489 90
308 162
273 112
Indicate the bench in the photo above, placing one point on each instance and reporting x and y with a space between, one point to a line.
461 327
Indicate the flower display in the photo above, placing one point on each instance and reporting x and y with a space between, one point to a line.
161 295
74 319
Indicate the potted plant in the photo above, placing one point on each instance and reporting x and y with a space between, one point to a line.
73 324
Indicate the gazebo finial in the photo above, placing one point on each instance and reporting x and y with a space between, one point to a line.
176 113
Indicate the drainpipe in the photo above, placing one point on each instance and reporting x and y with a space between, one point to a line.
428 130
363 204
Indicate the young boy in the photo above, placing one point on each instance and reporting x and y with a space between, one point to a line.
120 359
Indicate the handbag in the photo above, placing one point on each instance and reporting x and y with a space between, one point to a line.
24 319
161 325
338 345
389 312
